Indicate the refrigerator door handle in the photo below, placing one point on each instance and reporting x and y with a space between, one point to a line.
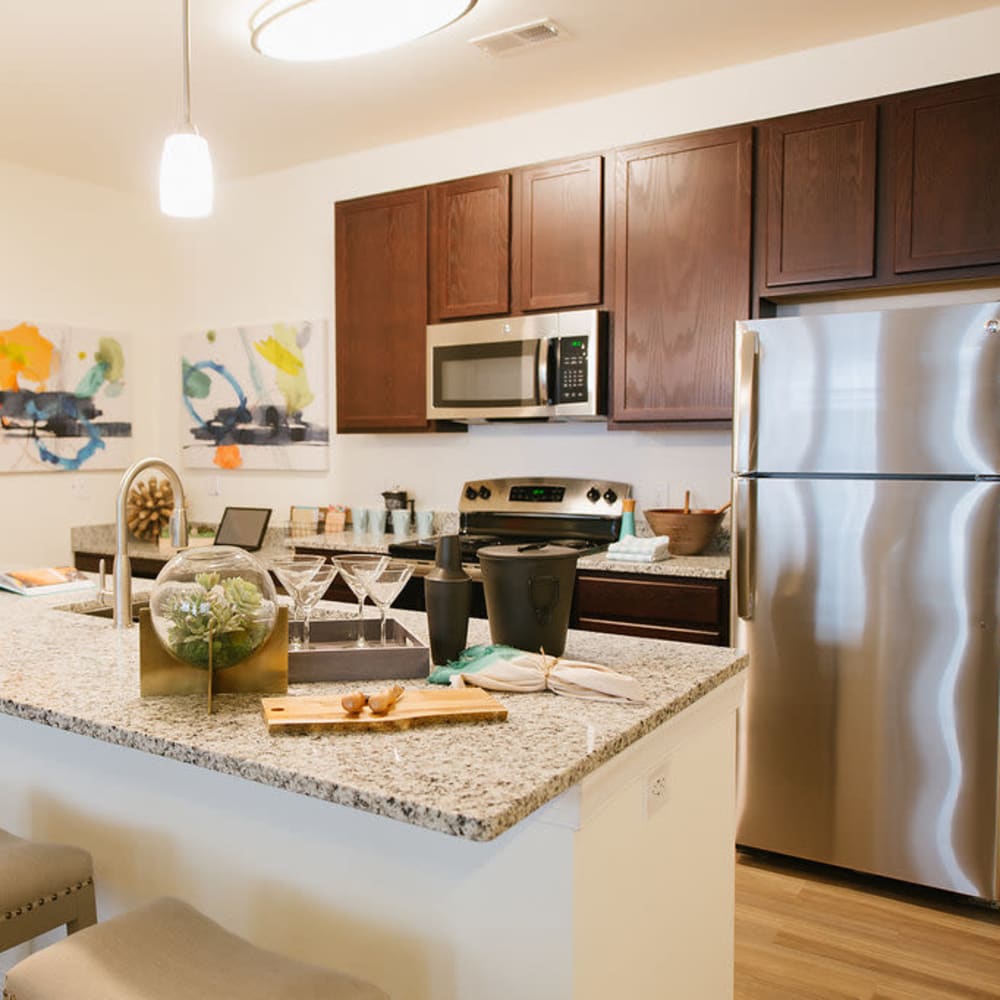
745 409
743 519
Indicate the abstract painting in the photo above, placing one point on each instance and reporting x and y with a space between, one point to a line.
64 403
255 397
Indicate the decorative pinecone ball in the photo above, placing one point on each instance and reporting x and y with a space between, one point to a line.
150 503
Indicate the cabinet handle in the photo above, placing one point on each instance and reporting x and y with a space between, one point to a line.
744 511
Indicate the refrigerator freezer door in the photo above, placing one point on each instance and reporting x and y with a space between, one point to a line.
869 738
910 392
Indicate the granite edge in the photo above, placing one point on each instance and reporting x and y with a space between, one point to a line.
468 827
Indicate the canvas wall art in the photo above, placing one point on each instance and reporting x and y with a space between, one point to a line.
256 397
64 399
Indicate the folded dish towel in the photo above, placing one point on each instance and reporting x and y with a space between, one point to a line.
633 549
503 668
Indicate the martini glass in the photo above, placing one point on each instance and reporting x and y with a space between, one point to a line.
358 572
385 587
294 573
310 594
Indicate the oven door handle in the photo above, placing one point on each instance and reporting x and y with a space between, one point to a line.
543 395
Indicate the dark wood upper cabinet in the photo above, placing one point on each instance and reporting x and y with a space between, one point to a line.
946 166
470 247
682 274
381 309
557 239
817 185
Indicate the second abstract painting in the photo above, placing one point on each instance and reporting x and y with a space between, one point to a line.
255 397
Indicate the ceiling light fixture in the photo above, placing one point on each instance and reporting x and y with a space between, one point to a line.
186 185
308 30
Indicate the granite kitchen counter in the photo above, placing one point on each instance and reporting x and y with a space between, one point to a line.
99 540
714 565
474 781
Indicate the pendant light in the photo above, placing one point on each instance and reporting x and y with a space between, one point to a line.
306 30
186 185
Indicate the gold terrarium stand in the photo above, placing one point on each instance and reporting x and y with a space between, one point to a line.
265 672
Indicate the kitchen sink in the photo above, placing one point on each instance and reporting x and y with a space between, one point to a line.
92 609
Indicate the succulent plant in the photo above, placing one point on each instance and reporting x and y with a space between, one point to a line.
223 612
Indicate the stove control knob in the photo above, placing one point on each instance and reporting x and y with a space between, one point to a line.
593 494
471 493
485 492
610 496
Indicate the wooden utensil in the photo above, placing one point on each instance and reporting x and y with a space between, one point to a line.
724 507
304 714
687 501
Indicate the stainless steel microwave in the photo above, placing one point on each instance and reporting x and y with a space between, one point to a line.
548 366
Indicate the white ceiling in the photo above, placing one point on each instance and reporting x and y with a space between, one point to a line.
91 87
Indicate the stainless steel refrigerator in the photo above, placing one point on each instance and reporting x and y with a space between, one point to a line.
866 588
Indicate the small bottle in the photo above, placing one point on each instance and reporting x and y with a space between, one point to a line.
447 597
628 518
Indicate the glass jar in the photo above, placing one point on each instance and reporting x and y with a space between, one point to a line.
213 606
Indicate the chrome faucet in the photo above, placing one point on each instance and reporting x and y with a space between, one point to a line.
123 565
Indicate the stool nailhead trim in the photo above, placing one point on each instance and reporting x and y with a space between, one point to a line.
40 902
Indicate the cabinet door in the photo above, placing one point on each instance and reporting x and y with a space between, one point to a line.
558 235
682 274
818 187
470 247
381 284
946 159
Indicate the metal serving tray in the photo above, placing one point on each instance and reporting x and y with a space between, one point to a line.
332 655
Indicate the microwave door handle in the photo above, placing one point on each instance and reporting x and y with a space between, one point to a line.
542 394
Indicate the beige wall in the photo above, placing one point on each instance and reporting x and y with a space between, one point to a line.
77 254
84 255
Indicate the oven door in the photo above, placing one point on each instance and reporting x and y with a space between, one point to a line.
490 369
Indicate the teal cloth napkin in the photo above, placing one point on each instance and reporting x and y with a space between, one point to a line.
472 660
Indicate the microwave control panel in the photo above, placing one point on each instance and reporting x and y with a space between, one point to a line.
572 387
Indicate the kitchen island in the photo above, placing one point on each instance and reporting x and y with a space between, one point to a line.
579 849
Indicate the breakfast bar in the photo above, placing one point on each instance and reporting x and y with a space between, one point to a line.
579 849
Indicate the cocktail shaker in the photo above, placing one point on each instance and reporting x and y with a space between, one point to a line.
448 596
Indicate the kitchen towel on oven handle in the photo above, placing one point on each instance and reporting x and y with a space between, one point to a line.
503 668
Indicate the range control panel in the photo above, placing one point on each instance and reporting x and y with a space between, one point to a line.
543 495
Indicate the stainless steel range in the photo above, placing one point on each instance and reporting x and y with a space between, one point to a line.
583 514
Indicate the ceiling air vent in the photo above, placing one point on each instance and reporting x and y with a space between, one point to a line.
519 39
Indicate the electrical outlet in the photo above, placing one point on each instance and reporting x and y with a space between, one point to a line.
215 487
656 790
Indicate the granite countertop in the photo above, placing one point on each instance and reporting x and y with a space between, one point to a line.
100 540
712 566
471 780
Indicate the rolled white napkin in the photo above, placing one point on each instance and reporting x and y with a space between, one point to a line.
535 672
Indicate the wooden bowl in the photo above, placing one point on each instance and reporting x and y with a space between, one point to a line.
689 533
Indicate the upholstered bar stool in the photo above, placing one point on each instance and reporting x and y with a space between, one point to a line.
167 950
43 886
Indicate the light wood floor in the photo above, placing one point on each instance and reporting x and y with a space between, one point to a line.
804 933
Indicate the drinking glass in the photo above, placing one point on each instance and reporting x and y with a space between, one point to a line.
310 594
358 571
385 587
294 572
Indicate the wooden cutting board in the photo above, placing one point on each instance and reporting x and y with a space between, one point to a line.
300 713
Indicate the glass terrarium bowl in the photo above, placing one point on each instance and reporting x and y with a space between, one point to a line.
219 595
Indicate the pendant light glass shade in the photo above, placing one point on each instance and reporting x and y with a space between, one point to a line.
187 188
306 30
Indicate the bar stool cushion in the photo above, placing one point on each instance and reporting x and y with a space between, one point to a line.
167 950
41 887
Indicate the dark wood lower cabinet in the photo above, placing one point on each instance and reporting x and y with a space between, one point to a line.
142 567
655 607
